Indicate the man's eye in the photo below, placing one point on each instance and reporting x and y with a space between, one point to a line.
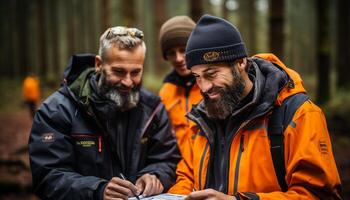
119 72
135 73
210 74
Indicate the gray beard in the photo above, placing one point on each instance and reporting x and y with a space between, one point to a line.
123 102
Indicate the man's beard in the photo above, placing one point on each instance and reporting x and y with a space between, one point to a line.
229 98
123 101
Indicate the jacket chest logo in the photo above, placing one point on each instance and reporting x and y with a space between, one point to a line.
86 143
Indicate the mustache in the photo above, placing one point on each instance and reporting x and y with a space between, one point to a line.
214 89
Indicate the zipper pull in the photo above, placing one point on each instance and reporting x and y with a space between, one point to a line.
99 144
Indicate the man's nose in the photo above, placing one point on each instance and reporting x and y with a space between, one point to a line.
127 81
205 85
179 56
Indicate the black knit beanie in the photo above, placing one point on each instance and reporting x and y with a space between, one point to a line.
214 40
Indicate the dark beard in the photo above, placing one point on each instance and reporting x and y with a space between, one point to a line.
229 99
123 101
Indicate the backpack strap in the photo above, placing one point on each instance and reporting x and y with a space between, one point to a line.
279 120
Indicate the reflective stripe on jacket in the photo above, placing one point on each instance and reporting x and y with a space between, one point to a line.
311 172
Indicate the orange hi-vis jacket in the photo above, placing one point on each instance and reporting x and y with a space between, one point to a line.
31 90
311 172
178 102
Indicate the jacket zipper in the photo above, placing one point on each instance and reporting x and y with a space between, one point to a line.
240 150
91 136
201 166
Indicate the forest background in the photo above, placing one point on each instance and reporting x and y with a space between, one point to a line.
39 36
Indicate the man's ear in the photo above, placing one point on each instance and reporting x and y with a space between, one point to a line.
241 64
98 63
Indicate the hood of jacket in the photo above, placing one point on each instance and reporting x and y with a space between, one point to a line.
273 83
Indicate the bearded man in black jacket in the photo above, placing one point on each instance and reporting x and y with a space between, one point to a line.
100 125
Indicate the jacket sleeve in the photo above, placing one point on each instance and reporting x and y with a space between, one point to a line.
162 153
184 171
311 172
52 157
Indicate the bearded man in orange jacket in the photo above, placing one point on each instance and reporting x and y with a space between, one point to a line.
230 154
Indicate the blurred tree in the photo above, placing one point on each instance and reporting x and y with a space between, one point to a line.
106 14
54 36
92 37
323 51
129 15
225 11
22 24
42 38
196 9
69 11
276 24
159 20
343 44
247 24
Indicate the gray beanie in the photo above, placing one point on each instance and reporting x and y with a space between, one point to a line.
175 32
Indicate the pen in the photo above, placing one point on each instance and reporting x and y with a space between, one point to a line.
123 177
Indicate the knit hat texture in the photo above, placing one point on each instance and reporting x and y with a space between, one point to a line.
175 32
214 40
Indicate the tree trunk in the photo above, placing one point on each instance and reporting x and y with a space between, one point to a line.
323 51
159 20
92 39
196 9
225 11
54 36
247 24
276 20
106 20
343 43
22 24
70 29
42 39
129 15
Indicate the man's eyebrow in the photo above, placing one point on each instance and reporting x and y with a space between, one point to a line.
208 68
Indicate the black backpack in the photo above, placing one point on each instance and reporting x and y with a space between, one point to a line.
280 118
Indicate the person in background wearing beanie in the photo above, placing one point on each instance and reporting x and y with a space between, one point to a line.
232 148
179 90
102 135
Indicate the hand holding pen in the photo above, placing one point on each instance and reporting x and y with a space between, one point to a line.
119 188
135 195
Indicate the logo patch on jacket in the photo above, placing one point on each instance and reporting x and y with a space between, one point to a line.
86 143
48 137
323 147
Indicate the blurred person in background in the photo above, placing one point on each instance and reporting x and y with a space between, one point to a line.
255 134
101 135
179 91
31 93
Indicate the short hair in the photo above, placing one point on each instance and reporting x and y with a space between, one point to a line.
121 37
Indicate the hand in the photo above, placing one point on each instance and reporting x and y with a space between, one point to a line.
149 184
119 188
209 194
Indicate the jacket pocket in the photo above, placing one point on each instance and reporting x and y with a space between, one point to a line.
88 150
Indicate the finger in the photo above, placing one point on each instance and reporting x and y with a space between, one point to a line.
197 195
159 187
111 194
125 184
149 185
140 186
121 189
